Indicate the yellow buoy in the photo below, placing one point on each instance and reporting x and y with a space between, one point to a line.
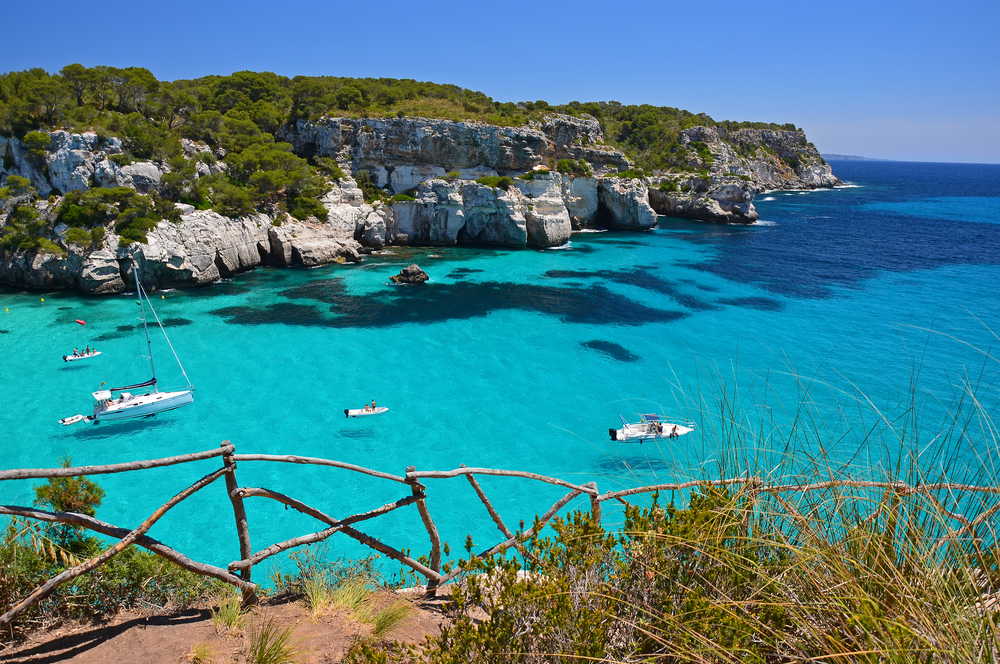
163 297
43 299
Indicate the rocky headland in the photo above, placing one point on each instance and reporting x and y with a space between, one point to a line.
443 183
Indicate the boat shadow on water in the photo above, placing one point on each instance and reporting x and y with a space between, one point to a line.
91 431
622 466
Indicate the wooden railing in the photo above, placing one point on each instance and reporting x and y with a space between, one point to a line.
238 572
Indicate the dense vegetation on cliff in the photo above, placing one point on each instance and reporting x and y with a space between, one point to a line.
246 109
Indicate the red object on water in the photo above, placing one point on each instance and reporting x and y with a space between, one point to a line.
80 321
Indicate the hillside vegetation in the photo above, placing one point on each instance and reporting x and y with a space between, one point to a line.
247 108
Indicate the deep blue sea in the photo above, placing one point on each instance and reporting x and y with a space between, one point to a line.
840 307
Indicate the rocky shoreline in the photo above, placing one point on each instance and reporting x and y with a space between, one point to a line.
429 169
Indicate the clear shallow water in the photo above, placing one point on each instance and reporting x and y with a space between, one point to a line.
521 359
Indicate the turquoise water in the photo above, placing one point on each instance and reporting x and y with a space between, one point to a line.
523 360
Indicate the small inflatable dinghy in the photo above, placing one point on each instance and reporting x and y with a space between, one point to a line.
66 421
74 358
361 412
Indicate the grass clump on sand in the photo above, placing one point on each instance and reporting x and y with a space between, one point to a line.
268 642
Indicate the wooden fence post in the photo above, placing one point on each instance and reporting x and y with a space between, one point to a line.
595 503
242 529
419 490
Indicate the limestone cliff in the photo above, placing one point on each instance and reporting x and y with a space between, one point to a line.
727 169
429 168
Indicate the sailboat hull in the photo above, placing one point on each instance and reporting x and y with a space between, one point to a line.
143 405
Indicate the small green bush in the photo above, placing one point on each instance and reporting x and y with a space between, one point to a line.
78 236
668 185
497 181
451 176
402 198
574 167
37 142
630 174
123 159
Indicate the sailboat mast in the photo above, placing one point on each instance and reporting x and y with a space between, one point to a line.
142 309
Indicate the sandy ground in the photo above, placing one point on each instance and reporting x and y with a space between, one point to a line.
167 637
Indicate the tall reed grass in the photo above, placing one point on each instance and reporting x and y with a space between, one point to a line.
832 569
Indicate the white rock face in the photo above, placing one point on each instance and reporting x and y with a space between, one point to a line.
435 217
713 198
546 217
580 196
493 216
143 176
308 244
409 176
101 273
627 203
204 247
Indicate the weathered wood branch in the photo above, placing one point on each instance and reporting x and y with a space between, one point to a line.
419 492
392 553
313 512
444 474
36 473
528 534
47 588
318 462
242 527
489 506
282 546
146 542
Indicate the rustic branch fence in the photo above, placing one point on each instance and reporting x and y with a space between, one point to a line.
239 571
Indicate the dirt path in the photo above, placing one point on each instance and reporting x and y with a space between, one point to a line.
168 637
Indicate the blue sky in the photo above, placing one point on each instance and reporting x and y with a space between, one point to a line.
912 81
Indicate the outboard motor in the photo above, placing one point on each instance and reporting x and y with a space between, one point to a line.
345 413
613 433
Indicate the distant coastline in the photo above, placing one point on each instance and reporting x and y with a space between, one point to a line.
850 157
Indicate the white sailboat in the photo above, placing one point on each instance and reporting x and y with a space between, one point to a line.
127 405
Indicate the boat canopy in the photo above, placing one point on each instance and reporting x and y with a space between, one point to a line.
652 417
101 394
148 383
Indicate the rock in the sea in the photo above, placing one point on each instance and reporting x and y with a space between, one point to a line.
626 203
411 274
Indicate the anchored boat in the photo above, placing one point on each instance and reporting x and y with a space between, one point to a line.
108 407
364 412
649 427
84 356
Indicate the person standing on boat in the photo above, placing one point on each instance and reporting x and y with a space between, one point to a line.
373 405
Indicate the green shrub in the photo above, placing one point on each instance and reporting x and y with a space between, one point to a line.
630 174
370 192
78 236
403 198
123 159
668 185
96 236
330 167
451 176
574 166
37 142
502 181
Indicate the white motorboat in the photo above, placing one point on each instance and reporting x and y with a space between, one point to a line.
128 405
649 427
74 358
364 412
